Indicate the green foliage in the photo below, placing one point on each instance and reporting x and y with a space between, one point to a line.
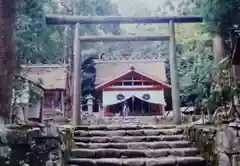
195 70
93 8
36 42
34 97
220 15
100 8
195 62
194 50
195 56
89 73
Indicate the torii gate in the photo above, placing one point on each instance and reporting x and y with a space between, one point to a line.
77 20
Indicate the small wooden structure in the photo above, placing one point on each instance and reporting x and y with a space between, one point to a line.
53 79
77 20
24 108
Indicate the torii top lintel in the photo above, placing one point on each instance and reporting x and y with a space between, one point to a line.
67 19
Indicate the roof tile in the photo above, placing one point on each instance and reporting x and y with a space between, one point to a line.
107 71
50 76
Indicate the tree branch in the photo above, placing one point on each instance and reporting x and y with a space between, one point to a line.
69 10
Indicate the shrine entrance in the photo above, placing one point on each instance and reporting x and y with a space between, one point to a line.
78 20
134 107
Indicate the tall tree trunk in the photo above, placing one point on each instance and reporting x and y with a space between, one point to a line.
7 56
218 52
218 48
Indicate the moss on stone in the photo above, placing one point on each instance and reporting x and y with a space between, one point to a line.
22 142
204 137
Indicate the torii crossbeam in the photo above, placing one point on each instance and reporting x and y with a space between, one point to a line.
77 20
122 38
67 19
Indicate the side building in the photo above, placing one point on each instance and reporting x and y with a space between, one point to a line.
53 78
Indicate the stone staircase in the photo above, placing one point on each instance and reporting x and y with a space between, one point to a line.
96 119
133 146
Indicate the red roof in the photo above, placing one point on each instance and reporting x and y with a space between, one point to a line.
130 70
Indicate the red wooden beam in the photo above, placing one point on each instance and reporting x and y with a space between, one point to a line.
132 89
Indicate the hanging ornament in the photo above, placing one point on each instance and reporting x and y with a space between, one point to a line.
146 96
120 97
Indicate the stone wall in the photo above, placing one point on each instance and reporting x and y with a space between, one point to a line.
35 145
204 139
219 145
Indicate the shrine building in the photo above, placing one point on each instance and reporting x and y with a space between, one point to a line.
138 84
53 78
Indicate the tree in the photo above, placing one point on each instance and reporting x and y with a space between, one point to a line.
7 55
220 16
36 42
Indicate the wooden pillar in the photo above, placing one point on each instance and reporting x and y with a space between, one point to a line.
25 112
77 72
104 110
63 103
99 109
174 74
159 109
65 41
163 110
41 118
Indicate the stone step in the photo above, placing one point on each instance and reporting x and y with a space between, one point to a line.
126 139
140 132
164 161
133 153
136 145
122 127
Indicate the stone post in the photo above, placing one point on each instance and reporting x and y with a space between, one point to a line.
103 110
90 104
100 109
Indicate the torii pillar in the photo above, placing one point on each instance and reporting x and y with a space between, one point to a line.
77 75
175 89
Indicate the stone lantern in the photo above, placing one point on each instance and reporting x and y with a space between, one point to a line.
90 99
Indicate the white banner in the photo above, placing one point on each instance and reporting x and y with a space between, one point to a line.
114 97
155 97
151 96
